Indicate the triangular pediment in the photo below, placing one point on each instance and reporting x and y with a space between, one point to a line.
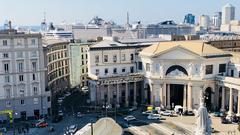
176 53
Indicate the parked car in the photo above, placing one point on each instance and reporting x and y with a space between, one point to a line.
72 129
190 113
129 118
147 112
167 113
67 94
57 118
154 117
60 100
224 120
132 109
42 125
217 114
60 113
79 115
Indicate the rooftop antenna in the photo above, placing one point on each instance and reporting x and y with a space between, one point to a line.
10 25
44 16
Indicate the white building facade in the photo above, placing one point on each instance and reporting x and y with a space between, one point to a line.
22 83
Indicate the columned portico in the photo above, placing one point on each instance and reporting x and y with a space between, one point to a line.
161 95
117 94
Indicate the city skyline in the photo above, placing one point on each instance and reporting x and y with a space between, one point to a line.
83 11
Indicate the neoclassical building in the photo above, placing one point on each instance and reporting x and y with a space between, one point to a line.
167 74
177 73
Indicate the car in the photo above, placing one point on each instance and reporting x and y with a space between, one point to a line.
57 118
166 113
190 113
85 88
79 115
129 118
217 114
67 94
224 120
3 129
60 113
38 122
72 129
132 109
60 100
147 112
42 125
154 117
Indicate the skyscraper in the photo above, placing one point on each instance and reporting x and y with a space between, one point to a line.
228 13
204 21
189 18
217 19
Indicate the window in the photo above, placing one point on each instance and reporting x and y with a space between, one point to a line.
6 68
131 69
209 69
20 67
139 65
35 100
232 73
7 92
33 77
35 90
33 41
123 57
114 58
8 104
239 74
5 43
19 54
48 98
22 102
147 67
97 72
21 92
123 70
34 54
34 66
82 56
82 62
105 58
132 57
20 78
19 41
222 68
96 58
106 71
5 55
7 79
114 70
86 56
83 70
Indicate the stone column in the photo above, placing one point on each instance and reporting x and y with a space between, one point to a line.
108 94
189 97
161 95
230 112
126 95
238 109
117 94
135 94
164 94
185 97
223 99
168 96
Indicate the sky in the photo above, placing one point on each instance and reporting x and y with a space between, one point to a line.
30 12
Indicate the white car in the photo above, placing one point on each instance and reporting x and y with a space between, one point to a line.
154 117
166 113
147 113
72 129
130 118
60 100
67 94
60 113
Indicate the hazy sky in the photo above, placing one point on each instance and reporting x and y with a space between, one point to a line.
30 12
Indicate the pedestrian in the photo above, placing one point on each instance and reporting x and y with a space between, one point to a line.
27 129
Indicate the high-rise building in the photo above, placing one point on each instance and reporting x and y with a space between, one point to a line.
204 21
228 13
217 19
189 19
